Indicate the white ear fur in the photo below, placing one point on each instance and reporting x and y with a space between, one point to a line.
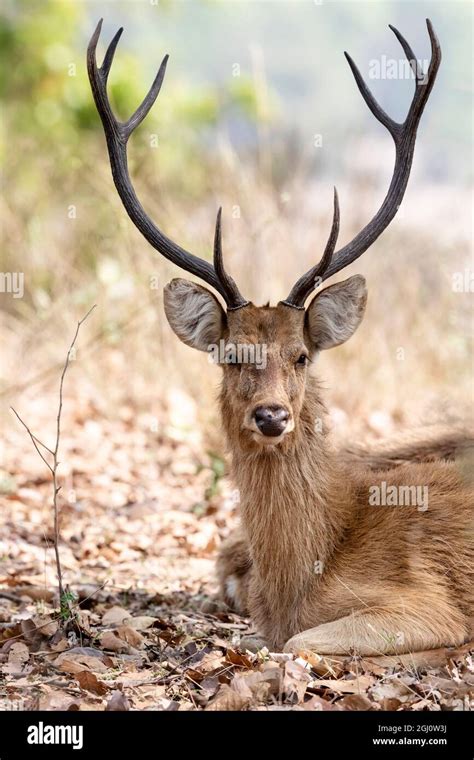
194 314
336 313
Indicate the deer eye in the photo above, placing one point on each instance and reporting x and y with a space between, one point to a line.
302 361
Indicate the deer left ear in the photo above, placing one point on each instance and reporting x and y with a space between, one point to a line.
194 314
336 313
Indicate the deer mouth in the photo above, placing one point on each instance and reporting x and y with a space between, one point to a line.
269 425
268 441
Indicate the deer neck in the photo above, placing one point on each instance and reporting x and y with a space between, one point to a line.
291 505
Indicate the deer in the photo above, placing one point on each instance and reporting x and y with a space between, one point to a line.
331 555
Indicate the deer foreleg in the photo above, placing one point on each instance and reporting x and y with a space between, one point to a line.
384 631
234 566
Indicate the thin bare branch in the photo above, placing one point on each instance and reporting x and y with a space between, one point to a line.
64 604
34 439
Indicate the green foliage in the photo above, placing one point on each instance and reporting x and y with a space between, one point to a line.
36 52
243 93
65 602
218 472
53 152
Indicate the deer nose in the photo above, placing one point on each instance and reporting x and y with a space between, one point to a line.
271 420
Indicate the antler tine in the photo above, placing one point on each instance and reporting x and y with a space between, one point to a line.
374 106
226 280
98 77
411 58
435 50
425 83
313 278
149 99
109 55
404 137
117 134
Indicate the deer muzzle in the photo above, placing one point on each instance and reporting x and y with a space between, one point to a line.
271 420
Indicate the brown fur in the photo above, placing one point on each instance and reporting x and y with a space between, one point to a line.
430 444
317 565
394 578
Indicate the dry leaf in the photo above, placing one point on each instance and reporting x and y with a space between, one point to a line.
9 631
365 665
194 675
238 659
110 640
445 686
241 687
115 616
356 702
90 682
295 681
319 705
389 703
209 687
141 622
69 662
91 652
45 625
423 704
130 636
259 685
211 661
393 689
227 699
322 666
83 621
168 705
18 656
118 702
56 699
31 633
35 592
273 675
342 686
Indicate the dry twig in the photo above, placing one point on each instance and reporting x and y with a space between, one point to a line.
64 597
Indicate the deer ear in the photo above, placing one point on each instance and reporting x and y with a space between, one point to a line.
336 313
194 314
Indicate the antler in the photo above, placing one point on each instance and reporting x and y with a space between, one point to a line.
404 137
117 134
316 275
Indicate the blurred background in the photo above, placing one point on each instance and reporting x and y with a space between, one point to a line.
259 112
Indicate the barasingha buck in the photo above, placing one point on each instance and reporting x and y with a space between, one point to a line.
332 555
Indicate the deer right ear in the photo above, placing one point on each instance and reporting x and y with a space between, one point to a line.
194 314
336 313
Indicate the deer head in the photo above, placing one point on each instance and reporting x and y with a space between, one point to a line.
264 351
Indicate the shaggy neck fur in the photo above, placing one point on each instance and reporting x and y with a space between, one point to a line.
293 505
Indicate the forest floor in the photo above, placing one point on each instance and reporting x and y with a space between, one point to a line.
142 516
